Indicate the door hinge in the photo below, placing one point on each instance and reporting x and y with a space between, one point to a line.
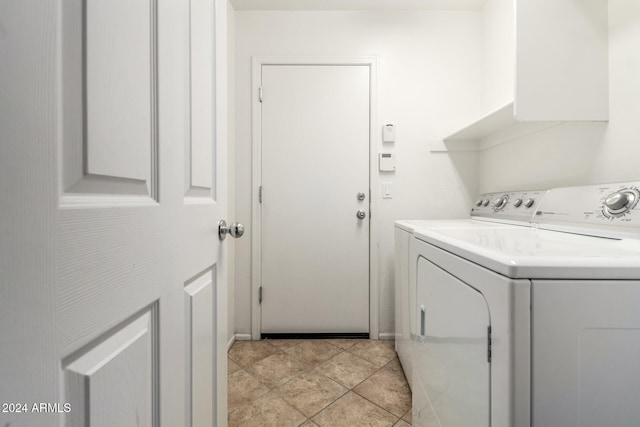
488 344
260 194
260 295
260 93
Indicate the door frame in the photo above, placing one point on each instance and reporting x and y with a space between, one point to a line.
256 171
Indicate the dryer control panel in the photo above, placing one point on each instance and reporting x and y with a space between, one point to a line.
608 210
512 206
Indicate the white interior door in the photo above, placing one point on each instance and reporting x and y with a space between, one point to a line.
315 161
113 291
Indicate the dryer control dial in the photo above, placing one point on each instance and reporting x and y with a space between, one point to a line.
620 202
500 203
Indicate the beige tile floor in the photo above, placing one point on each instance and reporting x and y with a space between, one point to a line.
317 383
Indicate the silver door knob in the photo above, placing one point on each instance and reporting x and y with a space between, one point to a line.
361 196
236 229
361 214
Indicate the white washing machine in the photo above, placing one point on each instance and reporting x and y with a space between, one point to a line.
491 210
531 326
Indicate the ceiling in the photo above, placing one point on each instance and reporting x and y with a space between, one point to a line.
357 4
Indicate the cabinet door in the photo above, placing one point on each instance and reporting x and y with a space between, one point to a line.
451 350
573 36
586 337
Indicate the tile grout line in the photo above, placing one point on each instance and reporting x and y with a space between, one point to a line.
370 401
375 404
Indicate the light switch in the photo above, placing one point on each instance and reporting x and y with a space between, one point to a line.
386 190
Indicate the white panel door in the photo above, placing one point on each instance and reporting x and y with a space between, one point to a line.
112 293
315 161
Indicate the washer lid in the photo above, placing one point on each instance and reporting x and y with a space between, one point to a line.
531 253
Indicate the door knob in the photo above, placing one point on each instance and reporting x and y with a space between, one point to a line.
236 229
361 214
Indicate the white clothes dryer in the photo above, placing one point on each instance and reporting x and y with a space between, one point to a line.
491 210
531 326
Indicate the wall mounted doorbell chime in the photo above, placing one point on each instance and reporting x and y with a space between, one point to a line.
389 133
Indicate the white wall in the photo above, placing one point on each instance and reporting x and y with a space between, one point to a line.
429 73
498 54
577 154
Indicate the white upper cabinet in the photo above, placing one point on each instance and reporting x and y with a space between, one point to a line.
544 62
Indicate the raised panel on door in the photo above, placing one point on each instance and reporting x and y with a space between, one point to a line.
200 150
110 100
451 348
200 309
114 380
315 160
119 82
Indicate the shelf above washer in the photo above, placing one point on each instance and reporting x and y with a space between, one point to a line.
502 118
494 128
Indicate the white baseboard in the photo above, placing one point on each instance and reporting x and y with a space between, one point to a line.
386 336
243 337
230 343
